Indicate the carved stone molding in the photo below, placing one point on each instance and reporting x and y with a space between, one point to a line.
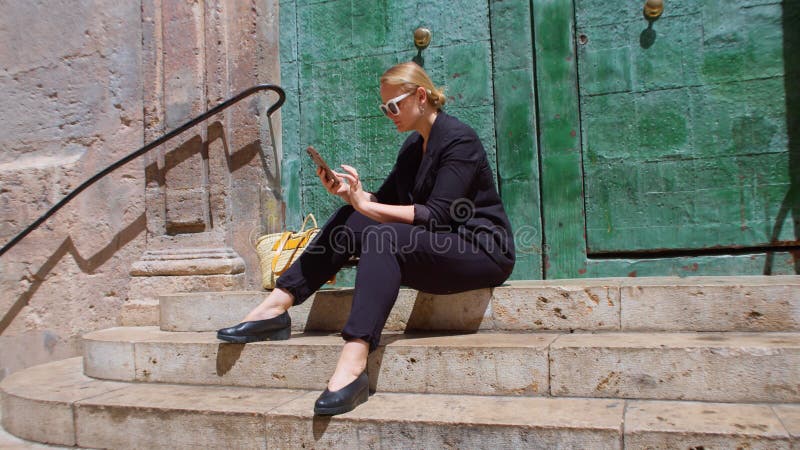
192 261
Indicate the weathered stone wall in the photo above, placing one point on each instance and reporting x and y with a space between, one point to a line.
70 80
86 82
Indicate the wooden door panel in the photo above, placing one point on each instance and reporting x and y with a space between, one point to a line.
682 163
332 54
683 126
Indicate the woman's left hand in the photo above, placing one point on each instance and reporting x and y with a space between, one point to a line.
357 194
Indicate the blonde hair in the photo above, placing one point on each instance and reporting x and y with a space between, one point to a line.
410 75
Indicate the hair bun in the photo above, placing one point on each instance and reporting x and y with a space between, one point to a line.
438 98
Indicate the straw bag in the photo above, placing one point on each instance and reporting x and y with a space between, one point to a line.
277 251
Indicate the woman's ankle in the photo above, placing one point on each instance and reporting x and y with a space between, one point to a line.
342 377
276 303
352 362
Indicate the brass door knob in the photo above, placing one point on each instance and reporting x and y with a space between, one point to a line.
422 38
653 9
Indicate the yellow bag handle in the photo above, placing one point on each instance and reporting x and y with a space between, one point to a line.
281 243
285 238
306 236
305 221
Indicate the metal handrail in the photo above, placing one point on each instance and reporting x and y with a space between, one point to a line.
211 112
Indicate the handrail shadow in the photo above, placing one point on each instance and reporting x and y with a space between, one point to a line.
791 61
87 265
165 138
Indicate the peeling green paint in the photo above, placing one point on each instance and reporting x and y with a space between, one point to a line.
342 48
665 137
714 111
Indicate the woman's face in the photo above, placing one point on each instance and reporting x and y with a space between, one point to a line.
409 111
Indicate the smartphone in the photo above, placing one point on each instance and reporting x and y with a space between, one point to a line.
321 163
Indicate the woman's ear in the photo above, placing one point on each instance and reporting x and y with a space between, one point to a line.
422 95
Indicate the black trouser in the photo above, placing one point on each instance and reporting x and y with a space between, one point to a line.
390 254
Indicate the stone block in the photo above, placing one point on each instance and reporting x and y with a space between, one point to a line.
425 421
557 305
184 168
182 61
727 367
299 363
789 415
110 359
712 304
186 210
150 288
55 403
139 313
161 416
36 420
475 364
206 311
37 403
465 311
328 310
667 425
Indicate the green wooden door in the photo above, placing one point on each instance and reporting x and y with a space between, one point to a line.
665 149
332 55
620 150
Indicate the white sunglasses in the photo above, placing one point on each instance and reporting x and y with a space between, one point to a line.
390 107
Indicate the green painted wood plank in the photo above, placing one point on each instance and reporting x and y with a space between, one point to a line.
290 115
515 124
559 121
778 263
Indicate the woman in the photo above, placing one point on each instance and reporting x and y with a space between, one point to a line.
436 225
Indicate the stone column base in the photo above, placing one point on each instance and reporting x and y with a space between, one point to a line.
161 272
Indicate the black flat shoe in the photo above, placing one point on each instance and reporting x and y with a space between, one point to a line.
345 399
275 329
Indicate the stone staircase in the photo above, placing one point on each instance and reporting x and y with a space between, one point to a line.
598 363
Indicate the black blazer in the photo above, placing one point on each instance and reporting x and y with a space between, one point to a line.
452 188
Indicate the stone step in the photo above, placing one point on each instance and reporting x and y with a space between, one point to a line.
737 367
485 364
56 403
741 303
9 441
722 367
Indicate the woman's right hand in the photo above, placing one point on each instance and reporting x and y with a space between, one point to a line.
342 190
